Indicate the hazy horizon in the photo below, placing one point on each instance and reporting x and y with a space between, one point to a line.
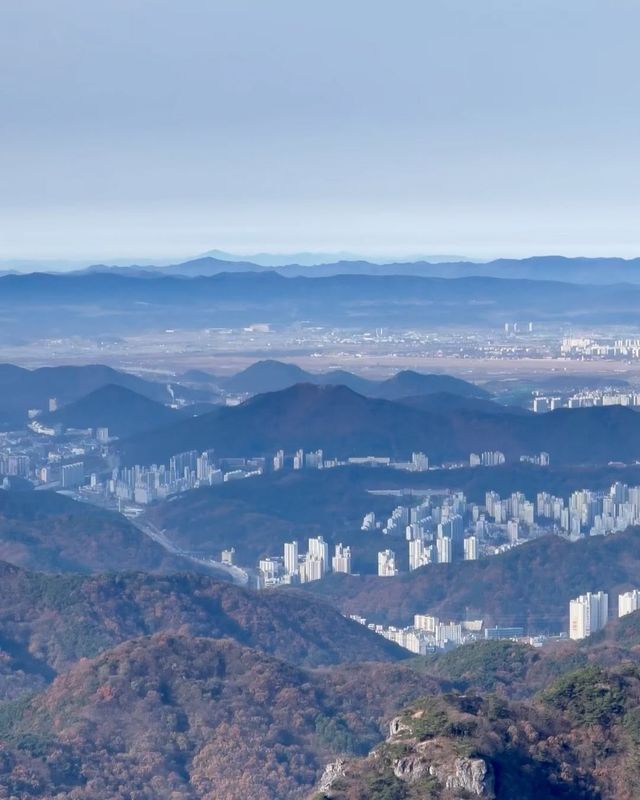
155 130
273 260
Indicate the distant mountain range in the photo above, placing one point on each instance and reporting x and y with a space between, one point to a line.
443 416
598 270
272 376
23 389
126 411
57 304
305 415
547 268
345 423
311 259
95 395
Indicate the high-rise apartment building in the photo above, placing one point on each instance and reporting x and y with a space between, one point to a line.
311 569
72 475
471 548
587 614
291 558
419 554
419 462
444 550
341 561
628 602
387 564
319 549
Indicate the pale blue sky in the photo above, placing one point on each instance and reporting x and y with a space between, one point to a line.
159 128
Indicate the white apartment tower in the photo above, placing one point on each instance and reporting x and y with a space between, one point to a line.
341 561
319 549
628 602
311 569
369 522
444 550
419 554
291 558
419 462
587 614
387 564
471 548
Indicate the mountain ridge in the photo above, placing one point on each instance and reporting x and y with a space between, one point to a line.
240 299
194 717
549 267
23 389
48 622
118 408
270 375
344 423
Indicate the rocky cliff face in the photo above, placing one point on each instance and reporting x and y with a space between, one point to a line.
407 766
474 776
471 775
473 747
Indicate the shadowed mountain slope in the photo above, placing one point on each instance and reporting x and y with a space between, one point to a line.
122 410
343 423
23 389
53 533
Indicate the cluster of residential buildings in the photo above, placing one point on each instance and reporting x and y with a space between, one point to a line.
143 485
296 567
189 470
544 403
445 527
315 459
55 464
592 512
428 633
490 458
434 530
587 614
583 346
590 612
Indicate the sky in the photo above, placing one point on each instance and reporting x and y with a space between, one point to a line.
165 128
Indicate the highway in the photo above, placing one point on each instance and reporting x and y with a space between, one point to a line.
238 575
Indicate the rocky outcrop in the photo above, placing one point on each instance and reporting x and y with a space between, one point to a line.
474 776
397 727
411 768
332 772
